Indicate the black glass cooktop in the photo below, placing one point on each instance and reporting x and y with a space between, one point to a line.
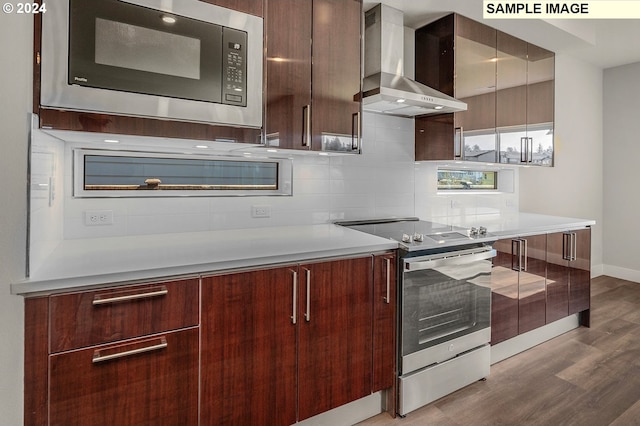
413 233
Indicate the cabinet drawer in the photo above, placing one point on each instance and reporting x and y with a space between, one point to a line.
148 381
93 317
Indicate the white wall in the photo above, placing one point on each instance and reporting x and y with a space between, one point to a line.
621 115
15 87
574 187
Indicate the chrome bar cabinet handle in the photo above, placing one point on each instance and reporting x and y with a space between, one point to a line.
523 149
388 265
294 313
526 254
307 314
356 131
458 143
97 357
306 125
117 299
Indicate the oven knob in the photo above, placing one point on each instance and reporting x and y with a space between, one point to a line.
418 237
406 238
473 231
482 230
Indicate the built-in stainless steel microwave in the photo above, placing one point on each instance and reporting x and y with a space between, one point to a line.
185 60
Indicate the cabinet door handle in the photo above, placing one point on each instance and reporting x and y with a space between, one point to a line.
566 237
574 246
98 357
515 249
526 254
523 149
307 314
294 312
306 125
355 131
530 150
458 143
162 291
388 265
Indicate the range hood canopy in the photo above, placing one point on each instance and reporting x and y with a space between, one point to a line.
385 89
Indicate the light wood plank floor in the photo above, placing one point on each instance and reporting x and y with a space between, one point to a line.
588 376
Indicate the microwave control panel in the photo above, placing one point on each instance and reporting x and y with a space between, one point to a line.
234 58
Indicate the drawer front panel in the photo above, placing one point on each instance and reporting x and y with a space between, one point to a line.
93 317
152 381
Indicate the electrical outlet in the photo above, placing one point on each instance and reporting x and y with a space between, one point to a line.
260 211
98 217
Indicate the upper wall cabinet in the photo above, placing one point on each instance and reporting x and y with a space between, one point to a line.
525 102
313 44
507 84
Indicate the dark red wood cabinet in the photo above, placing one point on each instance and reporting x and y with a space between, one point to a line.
151 380
507 84
249 342
384 328
282 345
569 274
518 287
335 330
127 355
313 72
531 282
504 293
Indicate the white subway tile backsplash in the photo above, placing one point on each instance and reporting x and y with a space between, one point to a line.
383 181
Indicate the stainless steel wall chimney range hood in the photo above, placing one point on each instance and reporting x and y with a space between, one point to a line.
385 89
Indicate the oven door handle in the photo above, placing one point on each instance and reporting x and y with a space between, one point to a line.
448 259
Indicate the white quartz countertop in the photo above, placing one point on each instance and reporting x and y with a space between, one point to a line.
91 262
82 263
521 224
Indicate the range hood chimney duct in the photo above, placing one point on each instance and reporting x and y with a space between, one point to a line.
385 89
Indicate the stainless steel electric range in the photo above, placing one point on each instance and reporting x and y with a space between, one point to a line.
444 276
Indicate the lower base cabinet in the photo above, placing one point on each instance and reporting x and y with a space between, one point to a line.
269 346
148 381
539 279
282 345
249 348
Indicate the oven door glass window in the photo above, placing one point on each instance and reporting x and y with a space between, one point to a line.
444 303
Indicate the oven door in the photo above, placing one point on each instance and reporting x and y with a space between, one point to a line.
446 305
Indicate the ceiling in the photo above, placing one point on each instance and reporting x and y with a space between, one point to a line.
603 43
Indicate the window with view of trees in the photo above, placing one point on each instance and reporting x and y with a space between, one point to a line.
467 180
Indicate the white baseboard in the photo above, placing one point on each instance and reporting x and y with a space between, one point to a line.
622 273
348 414
597 270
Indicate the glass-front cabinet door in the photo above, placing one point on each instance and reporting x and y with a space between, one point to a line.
475 84
540 104
524 102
